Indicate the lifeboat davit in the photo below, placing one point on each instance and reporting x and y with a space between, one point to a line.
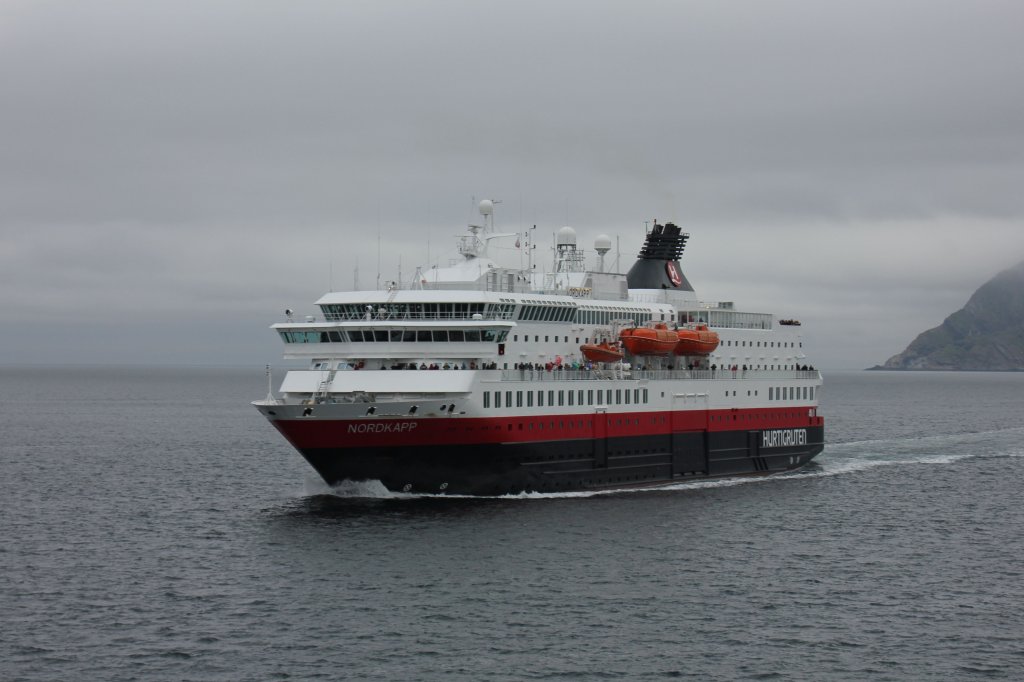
658 340
601 352
697 341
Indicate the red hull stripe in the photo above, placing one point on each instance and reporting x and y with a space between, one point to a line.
311 432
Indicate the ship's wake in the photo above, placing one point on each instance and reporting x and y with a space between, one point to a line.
357 489
836 460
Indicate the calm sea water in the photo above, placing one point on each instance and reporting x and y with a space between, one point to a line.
155 527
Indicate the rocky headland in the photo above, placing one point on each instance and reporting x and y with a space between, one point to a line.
987 334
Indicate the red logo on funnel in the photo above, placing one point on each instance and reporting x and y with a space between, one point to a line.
673 273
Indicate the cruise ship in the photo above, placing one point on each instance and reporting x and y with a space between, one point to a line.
481 378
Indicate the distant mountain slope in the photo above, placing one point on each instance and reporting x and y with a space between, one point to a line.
987 334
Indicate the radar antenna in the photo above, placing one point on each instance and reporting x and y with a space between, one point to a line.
603 244
474 244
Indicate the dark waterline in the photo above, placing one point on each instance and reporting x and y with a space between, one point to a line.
155 527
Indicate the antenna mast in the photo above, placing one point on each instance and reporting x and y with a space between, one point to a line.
378 248
270 390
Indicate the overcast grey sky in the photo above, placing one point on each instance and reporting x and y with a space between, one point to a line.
174 174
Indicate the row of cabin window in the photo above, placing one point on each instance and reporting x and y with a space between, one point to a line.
767 344
727 318
538 313
536 338
546 313
571 397
397 335
755 416
791 393
638 315
359 311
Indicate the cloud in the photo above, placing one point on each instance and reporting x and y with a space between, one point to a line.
193 161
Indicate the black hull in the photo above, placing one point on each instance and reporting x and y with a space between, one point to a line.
566 465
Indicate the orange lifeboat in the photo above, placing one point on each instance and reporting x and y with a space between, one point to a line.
601 352
697 341
649 341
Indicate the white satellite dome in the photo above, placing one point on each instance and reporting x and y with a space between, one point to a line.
486 207
566 236
603 243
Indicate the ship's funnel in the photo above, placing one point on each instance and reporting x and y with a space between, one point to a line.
657 266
